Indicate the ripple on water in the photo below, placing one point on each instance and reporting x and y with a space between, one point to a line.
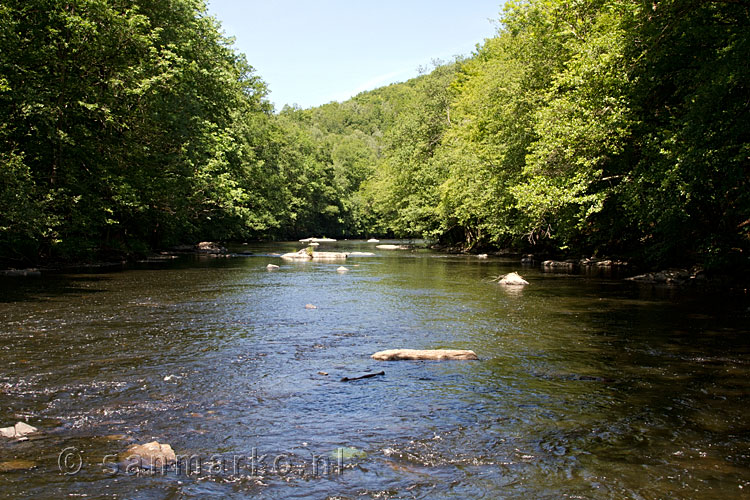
585 387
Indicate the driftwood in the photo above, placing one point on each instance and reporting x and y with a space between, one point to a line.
424 354
368 375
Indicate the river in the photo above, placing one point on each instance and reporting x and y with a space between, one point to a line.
586 387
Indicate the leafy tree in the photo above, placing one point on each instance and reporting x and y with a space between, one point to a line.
126 115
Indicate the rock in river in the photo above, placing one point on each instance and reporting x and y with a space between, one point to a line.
393 247
317 240
424 354
567 265
513 279
150 455
329 255
671 276
308 254
210 247
17 431
272 267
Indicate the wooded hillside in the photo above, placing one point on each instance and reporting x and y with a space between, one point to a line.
596 128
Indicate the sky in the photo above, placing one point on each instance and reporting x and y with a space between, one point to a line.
317 51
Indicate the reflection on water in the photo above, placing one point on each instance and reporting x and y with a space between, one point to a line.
586 387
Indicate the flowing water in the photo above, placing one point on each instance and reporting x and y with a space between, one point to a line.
586 387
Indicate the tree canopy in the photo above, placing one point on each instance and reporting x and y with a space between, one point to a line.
601 127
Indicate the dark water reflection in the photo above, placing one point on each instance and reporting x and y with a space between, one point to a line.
586 388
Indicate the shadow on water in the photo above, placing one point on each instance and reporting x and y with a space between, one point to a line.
47 287
586 387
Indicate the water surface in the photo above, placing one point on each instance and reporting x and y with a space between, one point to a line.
587 387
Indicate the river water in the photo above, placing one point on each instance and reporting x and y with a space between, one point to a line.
586 387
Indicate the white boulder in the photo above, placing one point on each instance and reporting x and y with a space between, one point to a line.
513 279
19 430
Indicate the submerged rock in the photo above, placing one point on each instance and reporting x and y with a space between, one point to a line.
272 267
513 279
16 465
310 306
347 453
373 240
19 430
116 437
342 269
482 256
424 354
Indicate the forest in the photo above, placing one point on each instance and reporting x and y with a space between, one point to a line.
602 128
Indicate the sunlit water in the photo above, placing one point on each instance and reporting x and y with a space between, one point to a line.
586 387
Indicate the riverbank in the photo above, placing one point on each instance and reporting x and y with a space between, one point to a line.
695 276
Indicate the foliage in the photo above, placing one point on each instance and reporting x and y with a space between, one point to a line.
599 127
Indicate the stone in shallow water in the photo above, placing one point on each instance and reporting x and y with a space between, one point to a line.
210 247
272 267
347 453
393 247
559 264
116 437
424 354
305 255
513 279
342 269
150 455
17 431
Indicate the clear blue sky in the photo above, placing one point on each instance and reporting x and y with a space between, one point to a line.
316 51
